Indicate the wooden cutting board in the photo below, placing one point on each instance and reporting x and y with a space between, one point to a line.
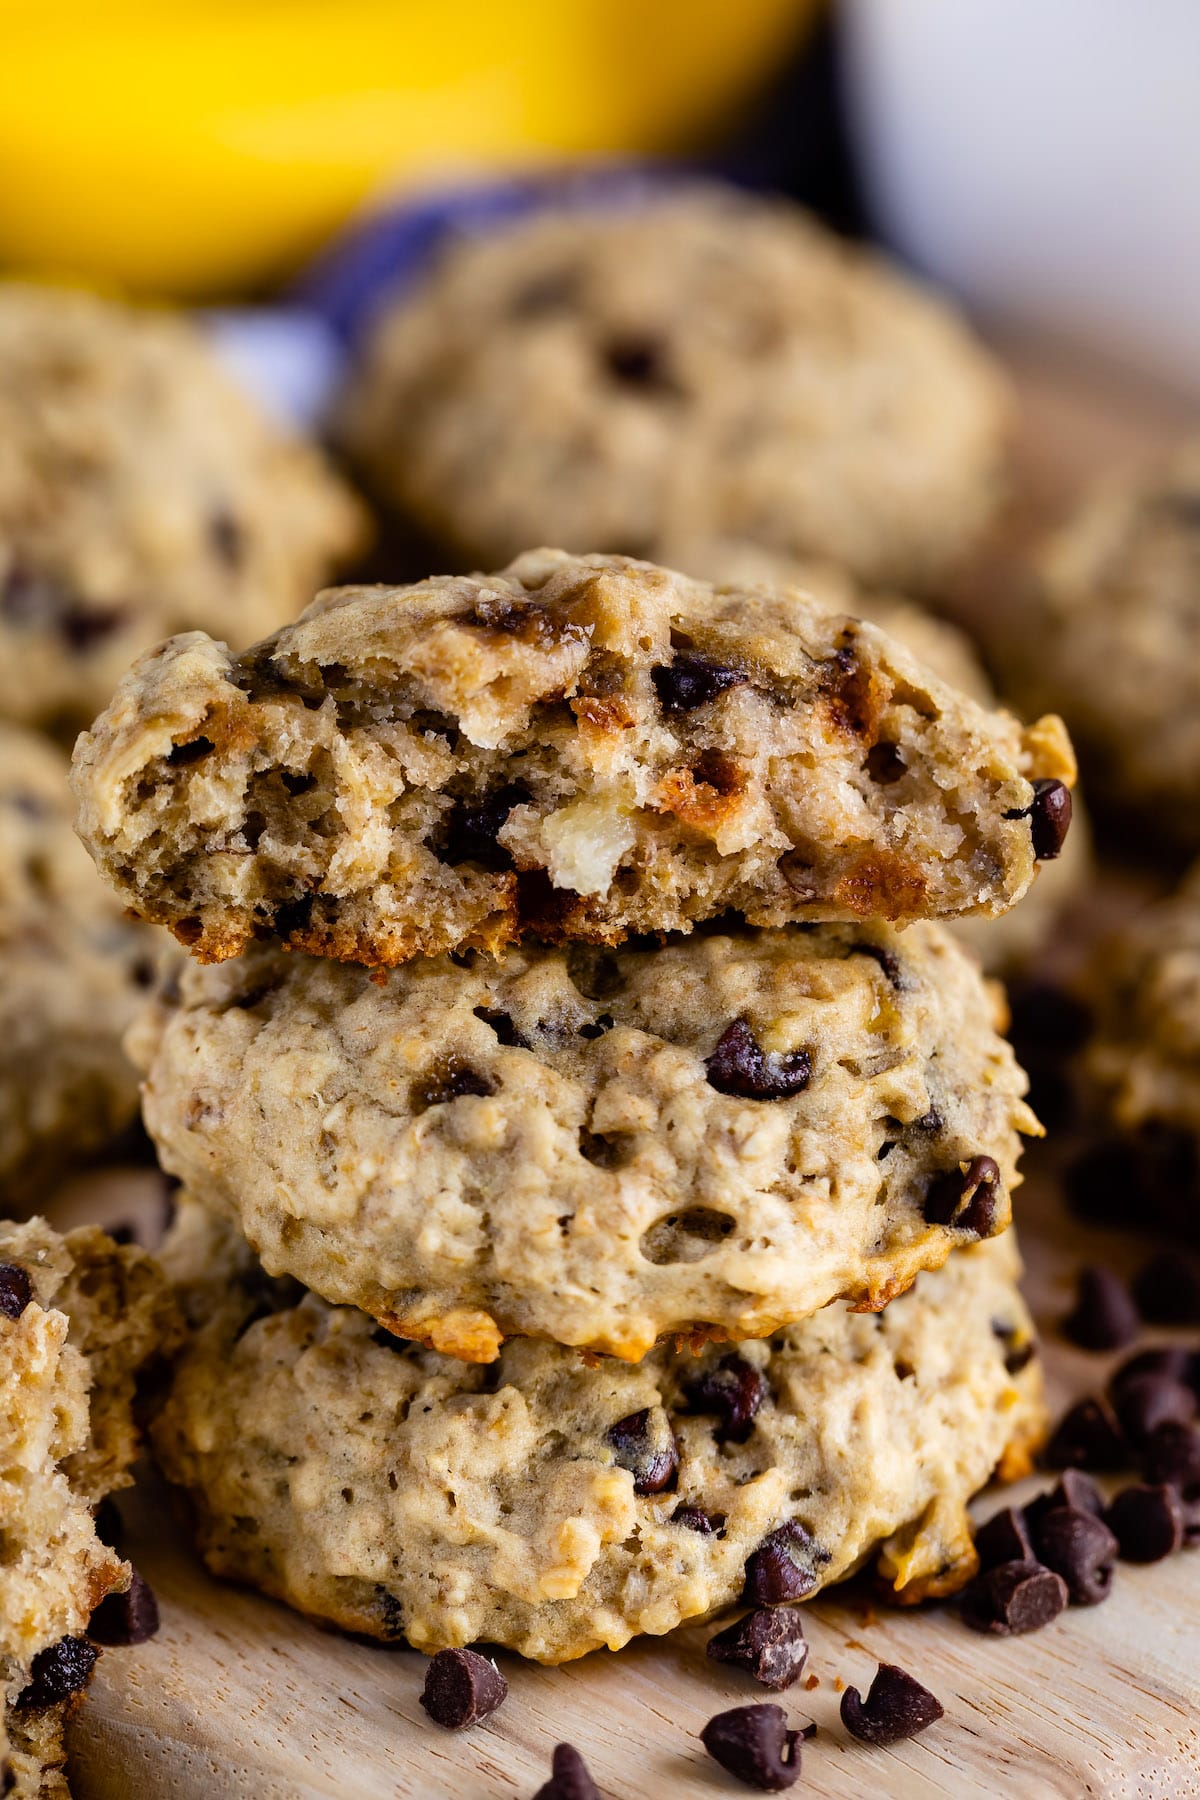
238 1697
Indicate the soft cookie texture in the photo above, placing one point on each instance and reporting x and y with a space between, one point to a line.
73 971
1111 638
553 1503
80 1317
1003 945
611 378
141 493
714 1136
1145 1058
580 747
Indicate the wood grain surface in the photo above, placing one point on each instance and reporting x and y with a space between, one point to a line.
238 1697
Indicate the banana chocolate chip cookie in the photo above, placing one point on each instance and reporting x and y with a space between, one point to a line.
80 1317
580 747
552 1503
141 493
610 378
714 1136
1111 638
73 971
1005 944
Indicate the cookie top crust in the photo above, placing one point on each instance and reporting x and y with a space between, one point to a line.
614 378
579 748
708 1138
141 493
553 1503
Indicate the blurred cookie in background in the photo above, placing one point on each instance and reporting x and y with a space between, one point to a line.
1106 630
141 493
615 377
1003 945
73 971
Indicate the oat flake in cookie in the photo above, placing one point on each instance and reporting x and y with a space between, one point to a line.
612 378
580 747
141 493
397 1492
73 972
717 1135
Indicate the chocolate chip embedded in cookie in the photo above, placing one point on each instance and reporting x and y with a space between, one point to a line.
711 1137
450 1504
142 493
478 758
705 361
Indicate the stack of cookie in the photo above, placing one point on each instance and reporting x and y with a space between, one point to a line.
572 1032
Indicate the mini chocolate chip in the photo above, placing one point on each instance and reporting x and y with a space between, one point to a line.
1003 1539
596 1028
129 1618
1050 818
1075 1489
1104 1316
644 1444
227 538
1144 1402
966 1199
739 1066
1167 1289
890 964
83 627
885 764
570 1778
692 681
461 1688
501 1023
781 1568
1172 1454
639 362
194 750
1015 1598
768 1644
470 830
754 1745
16 1290
1171 1360
57 1672
1087 1437
452 1082
896 1707
1079 1547
693 1519
734 1390
1147 1522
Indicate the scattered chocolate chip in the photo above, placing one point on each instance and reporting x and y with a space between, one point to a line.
1104 1316
644 1444
896 1707
885 764
1049 816
1087 1437
692 681
1144 1402
966 1199
570 1778
470 830
639 362
768 1644
1171 1454
123 1619
82 627
452 1082
1003 1539
194 750
1147 1522
461 1688
754 1745
781 1568
739 1066
890 964
57 1672
1075 1489
1167 1289
227 538
693 1519
16 1290
734 1390
1079 1547
1015 1598
1169 1360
